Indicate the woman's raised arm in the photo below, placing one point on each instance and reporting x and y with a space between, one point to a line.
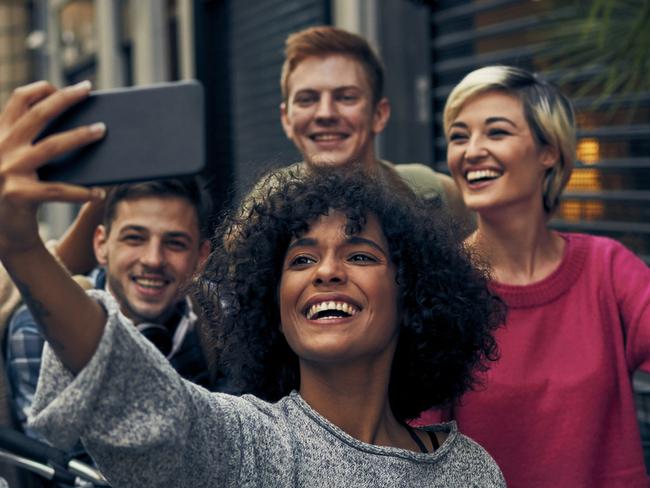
71 322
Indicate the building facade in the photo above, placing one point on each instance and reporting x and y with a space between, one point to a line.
235 48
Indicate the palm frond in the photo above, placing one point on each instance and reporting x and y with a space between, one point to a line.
607 37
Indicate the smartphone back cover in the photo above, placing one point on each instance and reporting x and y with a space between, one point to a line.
153 132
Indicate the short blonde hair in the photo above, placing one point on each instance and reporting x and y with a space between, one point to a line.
548 112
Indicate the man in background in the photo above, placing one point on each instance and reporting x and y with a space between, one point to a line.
333 108
150 245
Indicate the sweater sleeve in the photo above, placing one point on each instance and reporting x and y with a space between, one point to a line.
631 282
140 421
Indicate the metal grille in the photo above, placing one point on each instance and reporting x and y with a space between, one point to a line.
258 31
609 192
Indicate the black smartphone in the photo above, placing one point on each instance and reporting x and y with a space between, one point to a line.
155 131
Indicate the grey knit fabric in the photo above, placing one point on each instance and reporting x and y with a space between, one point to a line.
146 427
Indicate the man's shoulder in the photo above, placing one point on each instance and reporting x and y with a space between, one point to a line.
271 177
422 179
22 320
419 170
271 180
24 339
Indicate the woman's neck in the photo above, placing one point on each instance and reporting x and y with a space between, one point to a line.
519 248
356 401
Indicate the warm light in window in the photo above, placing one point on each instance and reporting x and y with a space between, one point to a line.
583 180
588 151
579 210
592 210
570 210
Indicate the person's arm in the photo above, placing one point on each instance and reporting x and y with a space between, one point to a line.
70 321
141 422
629 278
105 383
75 248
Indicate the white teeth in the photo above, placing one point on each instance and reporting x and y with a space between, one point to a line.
327 137
325 306
150 282
481 174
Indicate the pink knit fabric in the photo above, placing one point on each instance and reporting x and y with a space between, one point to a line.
557 408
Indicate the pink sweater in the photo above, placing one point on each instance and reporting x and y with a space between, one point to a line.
557 408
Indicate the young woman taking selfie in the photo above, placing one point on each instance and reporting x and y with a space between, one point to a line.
345 307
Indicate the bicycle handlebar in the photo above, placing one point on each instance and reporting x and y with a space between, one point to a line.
18 443
45 460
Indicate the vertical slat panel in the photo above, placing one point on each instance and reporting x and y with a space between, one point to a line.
258 31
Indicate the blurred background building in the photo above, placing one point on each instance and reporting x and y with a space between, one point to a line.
235 48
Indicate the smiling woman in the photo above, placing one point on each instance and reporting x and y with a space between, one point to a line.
349 305
338 296
578 321
393 259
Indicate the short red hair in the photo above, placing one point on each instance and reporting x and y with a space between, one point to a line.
326 40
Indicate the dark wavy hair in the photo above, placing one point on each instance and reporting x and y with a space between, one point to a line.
449 314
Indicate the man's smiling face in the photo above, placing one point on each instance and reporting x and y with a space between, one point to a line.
150 252
329 113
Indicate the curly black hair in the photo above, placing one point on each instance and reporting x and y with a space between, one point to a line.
449 314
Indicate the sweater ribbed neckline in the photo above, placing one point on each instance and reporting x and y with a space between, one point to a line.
450 428
554 285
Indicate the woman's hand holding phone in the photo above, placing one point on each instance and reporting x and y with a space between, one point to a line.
27 112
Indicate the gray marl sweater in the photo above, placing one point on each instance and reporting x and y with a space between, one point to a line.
146 427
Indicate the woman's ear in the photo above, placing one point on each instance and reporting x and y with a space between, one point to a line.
549 156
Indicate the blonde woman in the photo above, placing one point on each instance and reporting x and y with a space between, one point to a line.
557 409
